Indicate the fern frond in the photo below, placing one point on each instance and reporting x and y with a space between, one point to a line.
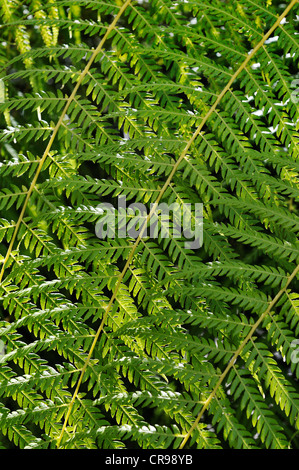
149 224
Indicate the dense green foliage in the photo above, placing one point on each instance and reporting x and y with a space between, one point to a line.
100 100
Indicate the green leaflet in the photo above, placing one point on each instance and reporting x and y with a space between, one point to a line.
112 343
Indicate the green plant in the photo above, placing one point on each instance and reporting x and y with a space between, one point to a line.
144 343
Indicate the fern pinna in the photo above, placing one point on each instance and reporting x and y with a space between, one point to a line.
139 338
